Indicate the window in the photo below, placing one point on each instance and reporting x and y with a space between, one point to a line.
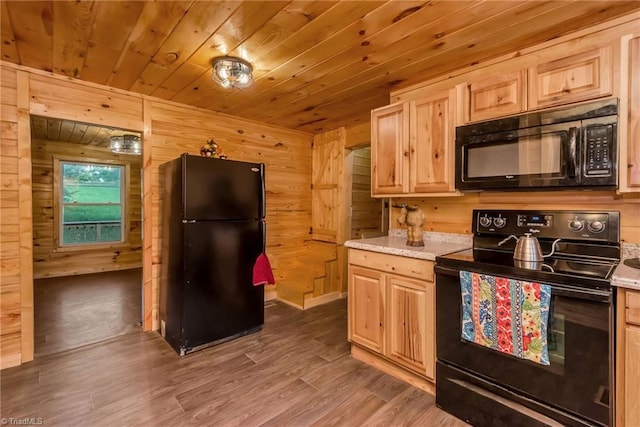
91 203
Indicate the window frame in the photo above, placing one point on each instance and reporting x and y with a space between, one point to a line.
58 203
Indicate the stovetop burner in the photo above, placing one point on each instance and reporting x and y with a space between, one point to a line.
579 267
586 255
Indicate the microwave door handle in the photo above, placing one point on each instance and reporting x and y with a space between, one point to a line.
571 151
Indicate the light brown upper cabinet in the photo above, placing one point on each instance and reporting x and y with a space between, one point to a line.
412 146
390 150
497 95
573 78
629 127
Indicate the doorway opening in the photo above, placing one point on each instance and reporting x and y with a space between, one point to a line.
87 235
369 216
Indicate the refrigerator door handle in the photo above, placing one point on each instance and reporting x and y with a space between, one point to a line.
264 235
264 193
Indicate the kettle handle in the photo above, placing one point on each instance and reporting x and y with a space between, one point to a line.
553 248
502 242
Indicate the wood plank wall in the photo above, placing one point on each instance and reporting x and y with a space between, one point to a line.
169 130
51 263
10 310
287 157
453 214
366 212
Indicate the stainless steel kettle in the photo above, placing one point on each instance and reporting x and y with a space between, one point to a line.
528 248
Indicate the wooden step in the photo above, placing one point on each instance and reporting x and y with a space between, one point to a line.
309 275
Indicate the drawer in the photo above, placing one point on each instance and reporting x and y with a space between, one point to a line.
633 307
411 267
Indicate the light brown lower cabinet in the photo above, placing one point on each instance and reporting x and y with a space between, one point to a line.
628 359
392 316
410 318
366 307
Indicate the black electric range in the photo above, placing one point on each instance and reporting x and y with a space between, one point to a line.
486 387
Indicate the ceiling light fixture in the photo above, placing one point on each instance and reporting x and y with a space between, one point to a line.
126 144
230 71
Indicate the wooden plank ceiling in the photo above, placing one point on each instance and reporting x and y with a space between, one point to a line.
317 64
52 129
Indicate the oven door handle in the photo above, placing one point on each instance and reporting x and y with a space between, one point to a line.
596 295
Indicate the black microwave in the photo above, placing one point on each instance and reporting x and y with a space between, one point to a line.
569 147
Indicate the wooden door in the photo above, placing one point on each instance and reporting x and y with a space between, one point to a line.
366 308
495 96
327 198
431 143
390 150
572 78
410 328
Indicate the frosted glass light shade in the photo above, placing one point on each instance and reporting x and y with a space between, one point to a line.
229 71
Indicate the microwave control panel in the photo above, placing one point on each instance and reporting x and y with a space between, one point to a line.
598 148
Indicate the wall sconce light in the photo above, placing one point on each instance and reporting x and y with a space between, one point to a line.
126 144
230 71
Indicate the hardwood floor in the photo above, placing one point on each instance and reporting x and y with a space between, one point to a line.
297 371
78 310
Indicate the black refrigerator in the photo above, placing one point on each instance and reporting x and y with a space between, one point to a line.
213 231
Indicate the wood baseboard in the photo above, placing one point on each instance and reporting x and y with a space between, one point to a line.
322 299
392 369
270 294
299 307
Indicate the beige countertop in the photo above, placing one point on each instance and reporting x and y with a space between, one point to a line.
435 244
625 276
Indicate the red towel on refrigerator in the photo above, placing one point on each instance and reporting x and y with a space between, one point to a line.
262 273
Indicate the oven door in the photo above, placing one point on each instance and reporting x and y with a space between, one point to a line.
578 380
542 156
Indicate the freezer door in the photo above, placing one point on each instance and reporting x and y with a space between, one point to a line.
216 189
220 300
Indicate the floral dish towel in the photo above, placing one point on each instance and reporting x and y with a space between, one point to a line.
506 315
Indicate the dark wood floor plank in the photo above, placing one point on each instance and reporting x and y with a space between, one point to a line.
387 388
352 412
404 409
73 311
297 371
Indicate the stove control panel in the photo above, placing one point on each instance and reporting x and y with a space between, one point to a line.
573 225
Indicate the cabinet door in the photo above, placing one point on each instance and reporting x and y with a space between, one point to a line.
366 308
495 96
431 143
390 149
410 329
631 143
632 376
573 78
